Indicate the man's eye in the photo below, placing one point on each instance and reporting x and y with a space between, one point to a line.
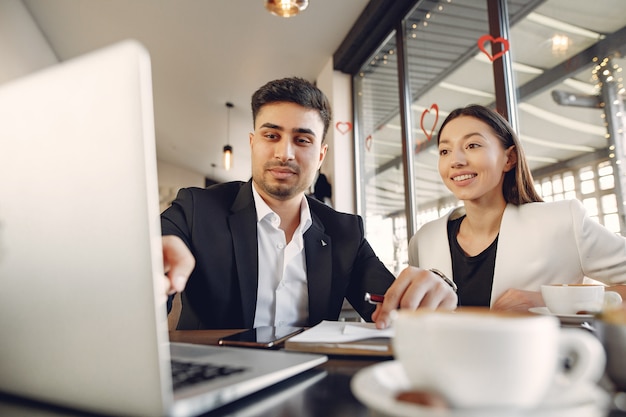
443 151
303 141
270 135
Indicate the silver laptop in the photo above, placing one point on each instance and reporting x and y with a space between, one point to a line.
82 315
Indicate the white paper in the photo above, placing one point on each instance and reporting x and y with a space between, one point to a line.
341 331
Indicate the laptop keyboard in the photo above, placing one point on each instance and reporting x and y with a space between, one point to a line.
189 373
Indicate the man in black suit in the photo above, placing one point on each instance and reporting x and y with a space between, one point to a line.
266 254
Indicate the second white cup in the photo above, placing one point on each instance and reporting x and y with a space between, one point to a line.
578 298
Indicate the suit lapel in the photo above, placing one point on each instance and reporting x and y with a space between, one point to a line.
318 250
242 223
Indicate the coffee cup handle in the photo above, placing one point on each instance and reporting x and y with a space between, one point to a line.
612 299
585 357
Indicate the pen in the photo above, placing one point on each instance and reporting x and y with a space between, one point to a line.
374 298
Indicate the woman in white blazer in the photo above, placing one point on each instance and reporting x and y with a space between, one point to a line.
505 241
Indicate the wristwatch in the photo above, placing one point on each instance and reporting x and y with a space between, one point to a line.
444 277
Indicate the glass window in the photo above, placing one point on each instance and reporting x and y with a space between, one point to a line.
609 204
442 54
546 188
591 204
605 169
568 181
382 202
587 187
611 222
557 184
606 178
600 201
563 110
566 95
586 173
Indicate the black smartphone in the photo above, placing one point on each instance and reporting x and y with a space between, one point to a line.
261 337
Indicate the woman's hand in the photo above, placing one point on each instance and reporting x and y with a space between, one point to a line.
518 300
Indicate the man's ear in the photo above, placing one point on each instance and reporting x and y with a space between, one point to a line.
323 151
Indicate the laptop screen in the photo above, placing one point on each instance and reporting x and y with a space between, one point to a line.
80 316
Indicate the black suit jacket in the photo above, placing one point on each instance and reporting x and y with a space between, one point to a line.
219 225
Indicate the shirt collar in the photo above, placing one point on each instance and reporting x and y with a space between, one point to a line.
263 210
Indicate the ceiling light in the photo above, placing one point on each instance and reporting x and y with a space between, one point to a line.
560 44
286 8
228 150
228 157
563 27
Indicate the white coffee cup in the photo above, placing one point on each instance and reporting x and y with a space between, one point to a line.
578 298
476 358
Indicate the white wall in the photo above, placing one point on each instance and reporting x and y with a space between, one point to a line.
172 178
339 164
24 49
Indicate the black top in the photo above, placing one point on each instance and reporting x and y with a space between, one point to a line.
473 275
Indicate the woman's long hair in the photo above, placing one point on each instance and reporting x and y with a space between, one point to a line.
518 187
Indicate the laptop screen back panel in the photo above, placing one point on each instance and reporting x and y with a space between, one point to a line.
81 320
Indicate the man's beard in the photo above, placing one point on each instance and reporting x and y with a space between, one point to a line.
281 191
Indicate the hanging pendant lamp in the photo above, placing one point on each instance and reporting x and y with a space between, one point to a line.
228 150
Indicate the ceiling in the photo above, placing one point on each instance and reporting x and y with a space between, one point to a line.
209 52
204 53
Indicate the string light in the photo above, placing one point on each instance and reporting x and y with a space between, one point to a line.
605 76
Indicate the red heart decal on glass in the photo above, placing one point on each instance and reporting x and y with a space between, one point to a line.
343 127
418 146
368 142
429 134
481 45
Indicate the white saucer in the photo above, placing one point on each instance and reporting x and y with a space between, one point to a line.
377 386
565 318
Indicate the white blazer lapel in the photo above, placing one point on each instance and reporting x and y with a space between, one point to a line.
432 246
507 250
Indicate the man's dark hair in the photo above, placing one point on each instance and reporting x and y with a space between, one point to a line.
293 90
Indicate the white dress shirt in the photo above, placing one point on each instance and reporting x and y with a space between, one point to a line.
282 292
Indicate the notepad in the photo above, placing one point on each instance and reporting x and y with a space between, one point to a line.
343 338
